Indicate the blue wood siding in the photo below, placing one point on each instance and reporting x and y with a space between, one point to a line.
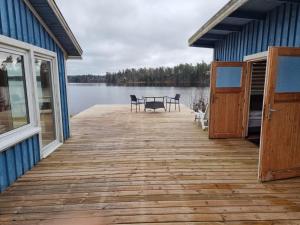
280 28
17 160
18 22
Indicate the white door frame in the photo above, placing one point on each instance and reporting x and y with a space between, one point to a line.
249 59
52 58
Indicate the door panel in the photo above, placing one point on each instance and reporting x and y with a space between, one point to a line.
46 104
280 140
227 97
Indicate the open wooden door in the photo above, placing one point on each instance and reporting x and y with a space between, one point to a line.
280 138
227 99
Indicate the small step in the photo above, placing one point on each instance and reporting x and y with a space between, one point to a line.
254 138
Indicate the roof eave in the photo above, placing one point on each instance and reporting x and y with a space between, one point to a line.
229 8
74 57
67 29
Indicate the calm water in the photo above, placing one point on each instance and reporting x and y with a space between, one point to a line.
83 96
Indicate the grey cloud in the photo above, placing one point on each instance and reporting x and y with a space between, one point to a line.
119 34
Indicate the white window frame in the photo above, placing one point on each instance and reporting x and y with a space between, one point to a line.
29 53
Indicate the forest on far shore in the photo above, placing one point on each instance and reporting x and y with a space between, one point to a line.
182 75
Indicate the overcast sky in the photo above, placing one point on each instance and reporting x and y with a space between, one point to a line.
120 34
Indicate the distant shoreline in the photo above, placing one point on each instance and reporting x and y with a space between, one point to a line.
138 84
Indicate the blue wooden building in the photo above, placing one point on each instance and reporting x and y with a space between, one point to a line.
255 80
35 42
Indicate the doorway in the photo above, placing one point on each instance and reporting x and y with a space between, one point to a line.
46 100
49 114
256 96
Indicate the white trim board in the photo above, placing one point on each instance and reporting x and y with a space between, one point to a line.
66 27
44 25
50 149
63 22
216 19
257 56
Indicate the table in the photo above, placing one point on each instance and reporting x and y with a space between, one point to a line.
155 102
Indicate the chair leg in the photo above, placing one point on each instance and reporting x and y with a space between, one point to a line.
175 106
136 108
139 107
131 106
179 105
169 106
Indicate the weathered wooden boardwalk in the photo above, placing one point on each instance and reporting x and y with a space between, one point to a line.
148 168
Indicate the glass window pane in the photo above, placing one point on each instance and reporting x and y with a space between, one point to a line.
13 101
288 77
45 94
228 77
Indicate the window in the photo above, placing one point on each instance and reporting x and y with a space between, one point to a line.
228 77
13 100
288 79
29 95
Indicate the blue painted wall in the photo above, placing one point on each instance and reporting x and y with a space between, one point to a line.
280 28
18 160
18 22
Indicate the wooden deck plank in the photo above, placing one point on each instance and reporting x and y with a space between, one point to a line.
148 168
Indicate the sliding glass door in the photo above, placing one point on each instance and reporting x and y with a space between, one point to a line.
45 100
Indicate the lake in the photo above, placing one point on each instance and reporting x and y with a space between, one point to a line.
83 96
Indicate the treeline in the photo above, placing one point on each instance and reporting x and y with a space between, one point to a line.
86 79
183 75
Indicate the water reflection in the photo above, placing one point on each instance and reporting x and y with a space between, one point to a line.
83 96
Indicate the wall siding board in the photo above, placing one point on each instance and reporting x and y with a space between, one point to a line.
23 22
250 38
36 149
230 47
266 33
30 153
260 36
280 28
297 27
235 41
11 165
36 31
292 29
25 161
11 19
16 161
3 172
286 25
18 22
272 28
254 37
239 45
4 18
17 19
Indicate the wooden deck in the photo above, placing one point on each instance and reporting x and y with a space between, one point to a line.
148 168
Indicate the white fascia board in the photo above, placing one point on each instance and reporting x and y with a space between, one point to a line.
229 8
66 27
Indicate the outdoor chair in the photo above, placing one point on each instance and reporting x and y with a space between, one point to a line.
137 102
174 101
